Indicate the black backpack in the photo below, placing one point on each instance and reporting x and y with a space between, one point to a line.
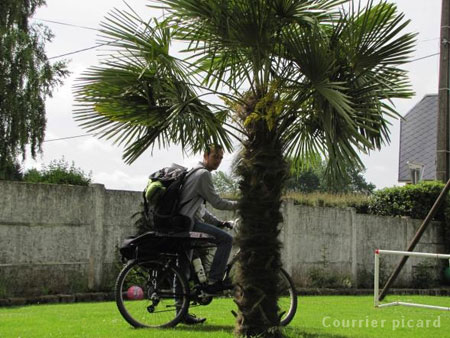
162 199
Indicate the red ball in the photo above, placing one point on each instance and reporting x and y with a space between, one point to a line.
135 293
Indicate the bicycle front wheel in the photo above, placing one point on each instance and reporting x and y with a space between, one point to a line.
287 301
151 294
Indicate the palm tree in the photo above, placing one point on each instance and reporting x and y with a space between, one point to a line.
299 78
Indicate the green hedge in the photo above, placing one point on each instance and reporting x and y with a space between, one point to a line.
414 201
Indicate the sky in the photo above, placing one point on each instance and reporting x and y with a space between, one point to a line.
104 160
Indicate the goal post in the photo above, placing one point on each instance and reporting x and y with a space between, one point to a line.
376 276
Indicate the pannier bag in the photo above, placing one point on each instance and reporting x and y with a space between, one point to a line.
150 244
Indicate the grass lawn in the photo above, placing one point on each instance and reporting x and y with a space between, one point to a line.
317 316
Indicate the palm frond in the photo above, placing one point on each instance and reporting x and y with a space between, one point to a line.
350 71
140 97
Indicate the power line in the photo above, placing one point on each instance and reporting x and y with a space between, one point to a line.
425 57
84 49
69 137
66 24
77 26
80 50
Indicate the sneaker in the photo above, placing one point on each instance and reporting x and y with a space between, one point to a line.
190 319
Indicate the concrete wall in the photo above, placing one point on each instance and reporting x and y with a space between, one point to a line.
342 243
63 239
56 238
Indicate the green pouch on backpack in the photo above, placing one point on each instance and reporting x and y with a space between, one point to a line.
154 191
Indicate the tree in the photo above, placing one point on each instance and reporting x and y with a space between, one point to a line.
299 78
310 179
11 171
27 79
307 181
352 182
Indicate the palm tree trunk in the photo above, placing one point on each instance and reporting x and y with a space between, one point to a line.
263 171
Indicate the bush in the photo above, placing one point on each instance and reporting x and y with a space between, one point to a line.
414 201
58 172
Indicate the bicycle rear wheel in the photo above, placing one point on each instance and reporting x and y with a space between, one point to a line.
146 294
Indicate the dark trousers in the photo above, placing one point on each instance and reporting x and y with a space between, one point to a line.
224 242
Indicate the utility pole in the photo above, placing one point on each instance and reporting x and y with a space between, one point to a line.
443 128
443 138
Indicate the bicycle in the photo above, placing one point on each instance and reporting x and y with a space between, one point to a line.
145 288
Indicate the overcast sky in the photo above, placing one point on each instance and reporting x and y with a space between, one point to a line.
105 159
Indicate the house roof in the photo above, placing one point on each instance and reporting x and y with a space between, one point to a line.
418 133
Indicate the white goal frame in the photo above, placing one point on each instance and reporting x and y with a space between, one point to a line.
376 276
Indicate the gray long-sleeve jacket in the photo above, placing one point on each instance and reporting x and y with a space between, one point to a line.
197 189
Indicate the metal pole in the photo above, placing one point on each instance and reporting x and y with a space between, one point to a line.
443 128
376 279
416 239
415 254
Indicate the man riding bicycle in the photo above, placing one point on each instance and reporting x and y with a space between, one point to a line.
199 189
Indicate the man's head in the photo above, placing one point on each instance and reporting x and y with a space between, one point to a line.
212 157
